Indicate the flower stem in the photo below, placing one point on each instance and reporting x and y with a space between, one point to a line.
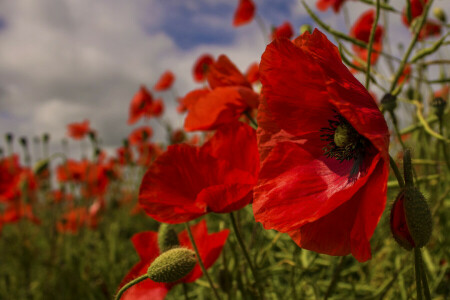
130 284
371 38
334 280
417 265
185 291
397 173
244 250
423 276
200 262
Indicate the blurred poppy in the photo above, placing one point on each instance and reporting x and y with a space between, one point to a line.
406 74
187 182
324 163
76 218
78 131
325 4
244 13
165 81
146 245
17 211
201 67
284 30
156 109
443 93
140 135
15 180
72 170
361 31
430 28
252 74
139 105
224 73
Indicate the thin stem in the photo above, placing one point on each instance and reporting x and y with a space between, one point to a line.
130 284
185 291
244 250
334 280
444 146
397 173
396 129
200 262
417 263
426 289
371 38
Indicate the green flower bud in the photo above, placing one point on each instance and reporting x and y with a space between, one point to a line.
305 27
389 102
418 216
439 13
172 265
167 238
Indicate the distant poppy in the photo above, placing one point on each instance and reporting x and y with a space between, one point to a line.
284 30
140 135
72 170
15 180
252 74
361 31
76 218
325 4
406 74
139 105
187 182
18 211
156 109
146 244
430 28
244 13
165 81
444 93
78 131
324 163
224 73
201 67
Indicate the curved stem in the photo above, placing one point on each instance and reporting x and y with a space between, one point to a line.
371 38
200 262
244 250
130 284
397 173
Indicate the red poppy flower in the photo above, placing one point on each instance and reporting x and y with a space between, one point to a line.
252 74
76 218
17 211
156 109
325 4
430 28
187 182
165 81
406 74
78 131
218 107
244 13
72 170
284 30
124 155
139 105
146 244
444 92
140 135
201 67
15 180
324 149
224 73
361 31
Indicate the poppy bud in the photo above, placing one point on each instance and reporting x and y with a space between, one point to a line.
92 136
23 141
41 166
389 102
304 28
439 105
439 13
1 152
172 265
9 137
167 238
45 138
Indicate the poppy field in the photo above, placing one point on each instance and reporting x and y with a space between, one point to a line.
322 171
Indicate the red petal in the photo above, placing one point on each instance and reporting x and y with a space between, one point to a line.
244 12
139 104
201 67
224 73
165 81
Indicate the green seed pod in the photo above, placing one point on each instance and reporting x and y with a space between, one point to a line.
418 216
439 14
389 102
167 238
304 28
172 265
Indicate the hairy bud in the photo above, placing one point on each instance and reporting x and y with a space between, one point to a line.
167 238
172 265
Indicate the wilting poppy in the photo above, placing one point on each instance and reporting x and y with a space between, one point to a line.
430 28
324 149
361 31
284 30
146 244
165 81
325 4
139 105
244 12
187 182
140 135
201 67
78 131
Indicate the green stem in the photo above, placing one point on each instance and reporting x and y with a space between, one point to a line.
130 284
371 38
252 121
244 250
417 264
396 129
411 46
444 146
426 289
334 280
185 291
200 262
397 173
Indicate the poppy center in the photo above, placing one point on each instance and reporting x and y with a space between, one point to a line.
343 141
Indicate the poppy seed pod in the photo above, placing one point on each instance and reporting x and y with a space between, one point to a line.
167 238
439 13
389 102
172 265
439 105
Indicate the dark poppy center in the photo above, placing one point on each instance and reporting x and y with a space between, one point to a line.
343 141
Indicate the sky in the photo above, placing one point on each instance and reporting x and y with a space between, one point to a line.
63 61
